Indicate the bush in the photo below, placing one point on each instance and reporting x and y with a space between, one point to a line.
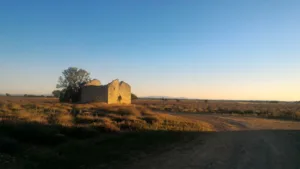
128 111
56 93
32 117
107 126
2 104
65 119
133 96
145 112
151 119
297 114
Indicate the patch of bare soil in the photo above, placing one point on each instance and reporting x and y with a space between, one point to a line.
239 143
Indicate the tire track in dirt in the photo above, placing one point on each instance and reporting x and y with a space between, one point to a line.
218 123
239 143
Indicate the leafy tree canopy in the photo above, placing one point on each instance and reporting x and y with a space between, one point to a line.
70 82
73 78
56 93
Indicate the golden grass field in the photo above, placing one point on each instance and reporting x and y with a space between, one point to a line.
97 115
40 132
282 110
43 133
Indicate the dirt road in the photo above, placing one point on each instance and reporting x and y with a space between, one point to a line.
239 143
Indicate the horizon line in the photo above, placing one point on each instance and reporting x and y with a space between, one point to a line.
166 97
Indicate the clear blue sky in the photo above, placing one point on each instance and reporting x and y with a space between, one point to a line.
200 49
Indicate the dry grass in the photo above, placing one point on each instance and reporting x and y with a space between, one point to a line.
42 133
46 134
284 110
95 115
24 115
297 115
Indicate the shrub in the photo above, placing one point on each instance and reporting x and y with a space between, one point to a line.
133 96
87 119
275 113
2 104
107 126
145 112
133 126
29 106
297 114
249 112
151 119
128 111
32 117
65 119
14 106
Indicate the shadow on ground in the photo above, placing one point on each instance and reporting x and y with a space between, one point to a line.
34 145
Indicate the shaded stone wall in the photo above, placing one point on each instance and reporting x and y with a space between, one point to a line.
125 92
94 93
114 92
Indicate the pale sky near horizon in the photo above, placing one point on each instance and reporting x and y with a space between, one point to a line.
199 49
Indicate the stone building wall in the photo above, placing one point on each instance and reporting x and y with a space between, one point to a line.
125 92
112 93
94 93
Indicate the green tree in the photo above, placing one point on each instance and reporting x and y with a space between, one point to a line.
7 94
56 93
70 82
133 96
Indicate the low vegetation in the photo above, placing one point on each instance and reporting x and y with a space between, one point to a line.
43 133
48 134
268 109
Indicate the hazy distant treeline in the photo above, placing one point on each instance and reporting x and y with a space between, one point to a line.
32 95
25 95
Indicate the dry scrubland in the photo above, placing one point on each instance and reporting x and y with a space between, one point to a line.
281 110
42 133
